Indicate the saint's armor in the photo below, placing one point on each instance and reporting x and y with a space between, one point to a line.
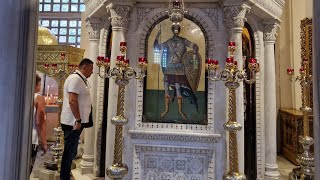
176 61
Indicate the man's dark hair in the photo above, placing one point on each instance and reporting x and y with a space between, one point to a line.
38 79
84 62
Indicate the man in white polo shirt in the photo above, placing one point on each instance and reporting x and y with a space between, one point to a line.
76 110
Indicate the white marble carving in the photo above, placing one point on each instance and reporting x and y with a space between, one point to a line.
91 6
272 6
235 16
173 163
142 12
119 15
213 13
100 98
252 21
174 136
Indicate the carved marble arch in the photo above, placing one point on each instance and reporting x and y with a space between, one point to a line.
257 43
208 124
306 48
248 51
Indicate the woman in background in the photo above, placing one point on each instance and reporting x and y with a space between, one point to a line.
39 124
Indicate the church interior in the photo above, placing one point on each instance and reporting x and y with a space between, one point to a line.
180 89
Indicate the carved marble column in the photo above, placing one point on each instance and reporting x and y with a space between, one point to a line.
19 23
98 158
234 21
119 23
94 26
316 84
271 171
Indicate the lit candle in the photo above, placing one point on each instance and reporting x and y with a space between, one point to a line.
141 59
120 58
302 69
229 60
289 70
231 43
253 60
48 91
107 60
209 60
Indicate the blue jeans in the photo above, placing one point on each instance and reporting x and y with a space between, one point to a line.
71 141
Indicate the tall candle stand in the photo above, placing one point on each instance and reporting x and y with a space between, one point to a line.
232 76
60 71
306 159
122 73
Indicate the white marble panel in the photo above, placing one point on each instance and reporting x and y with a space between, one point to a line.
173 163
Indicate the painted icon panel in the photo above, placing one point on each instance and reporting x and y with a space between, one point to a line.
175 88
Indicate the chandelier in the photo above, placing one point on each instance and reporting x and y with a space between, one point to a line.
176 11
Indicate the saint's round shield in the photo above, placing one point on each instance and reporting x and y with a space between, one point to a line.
192 65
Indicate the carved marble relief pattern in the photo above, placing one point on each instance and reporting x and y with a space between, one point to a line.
91 6
172 163
174 137
270 32
235 16
143 12
99 113
93 28
213 13
271 6
252 21
119 15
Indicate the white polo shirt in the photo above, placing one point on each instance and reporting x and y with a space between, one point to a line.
75 84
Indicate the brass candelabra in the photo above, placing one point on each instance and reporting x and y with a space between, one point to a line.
122 73
306 159
232 76
58 61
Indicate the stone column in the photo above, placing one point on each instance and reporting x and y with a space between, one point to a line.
19 23
316 84
119 23
270 111
234 21
93 26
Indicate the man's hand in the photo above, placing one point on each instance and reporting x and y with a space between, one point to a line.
76 126
44 148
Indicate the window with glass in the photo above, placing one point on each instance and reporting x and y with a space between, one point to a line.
63 18
67 31
61 6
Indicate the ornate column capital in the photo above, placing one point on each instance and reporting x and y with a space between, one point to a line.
106 22
270 31
119 15
94 26
235 16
